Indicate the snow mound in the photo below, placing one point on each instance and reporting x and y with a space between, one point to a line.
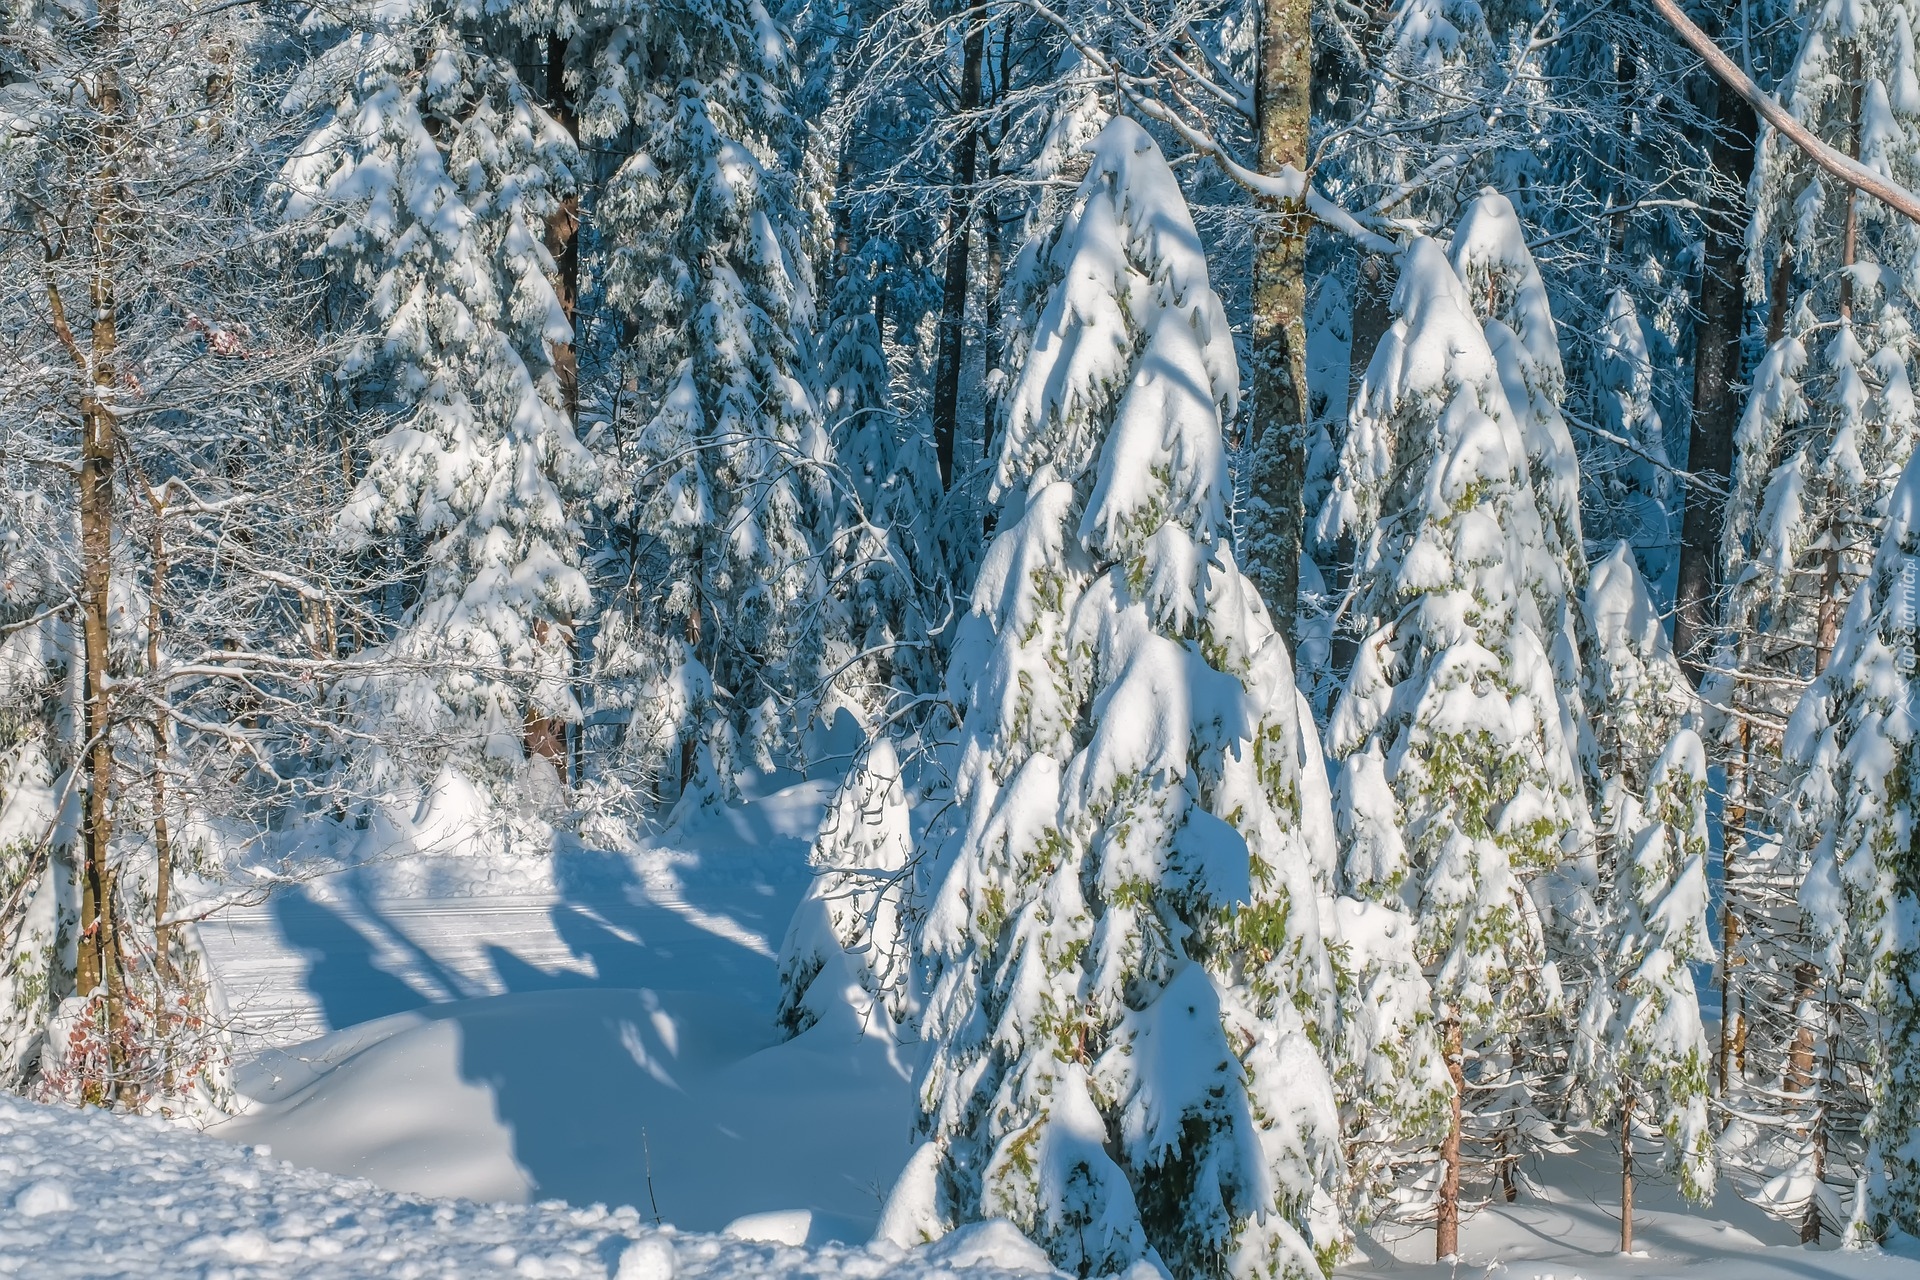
164 1203
674 1099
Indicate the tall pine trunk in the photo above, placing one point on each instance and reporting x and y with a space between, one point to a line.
1716 391
1278 455
953 300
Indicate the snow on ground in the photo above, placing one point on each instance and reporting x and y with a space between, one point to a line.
85 1195
1566 1226
605 1035
598 1029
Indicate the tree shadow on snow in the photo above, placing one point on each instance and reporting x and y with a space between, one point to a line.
341 974
600 1069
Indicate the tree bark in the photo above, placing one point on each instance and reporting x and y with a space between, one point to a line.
99 964
953 299
1278 437
1446 1235
993 262
1626 1171
1717 373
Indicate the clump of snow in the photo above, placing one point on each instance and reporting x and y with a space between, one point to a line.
37 1199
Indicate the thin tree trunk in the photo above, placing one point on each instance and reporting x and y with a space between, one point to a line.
1278 436
690 735
562 231
953 299
1800 1055
1716 399
99 967
1626 1171
1446 1236
1733 824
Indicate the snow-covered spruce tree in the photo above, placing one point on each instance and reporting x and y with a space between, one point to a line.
880 555
1389 1074
1127 977
722 472
847 946
1653 1066
1489 254
1831 415
1645 699
429 180
1855 1069
1452 731
1828 427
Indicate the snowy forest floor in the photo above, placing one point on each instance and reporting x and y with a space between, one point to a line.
597 1029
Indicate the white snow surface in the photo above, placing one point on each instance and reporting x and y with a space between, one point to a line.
599 1027
485 1057
86 1195
1566 1226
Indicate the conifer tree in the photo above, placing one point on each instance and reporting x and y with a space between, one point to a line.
1128 981
1639 694
1849 814
1830 419
39 667
430 180
1452 731
723 465
1654 1063
1828 426
1629 475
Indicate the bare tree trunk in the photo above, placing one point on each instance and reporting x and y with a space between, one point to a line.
953 299
99 967
1626 1171
1446 1235
1716 399
1278 436
1800 1055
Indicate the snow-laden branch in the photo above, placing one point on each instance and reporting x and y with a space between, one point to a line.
1839 164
